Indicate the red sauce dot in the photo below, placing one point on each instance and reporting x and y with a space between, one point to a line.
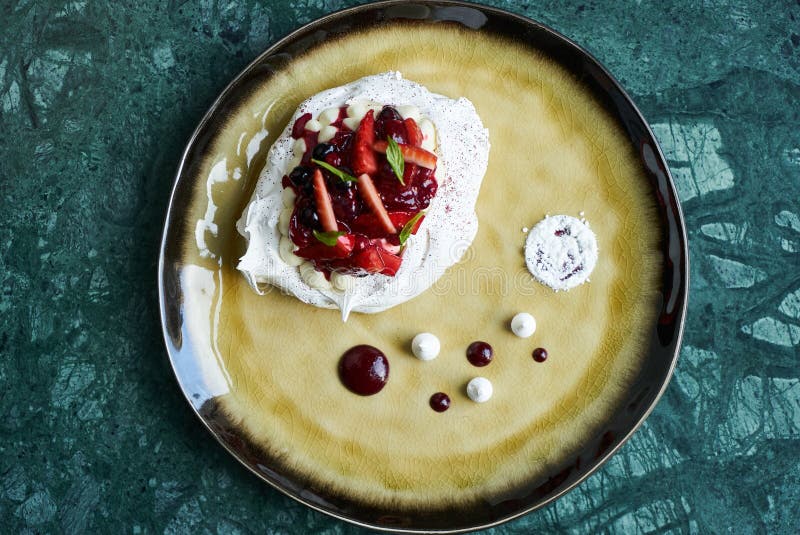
364 370
440 402
479 354
540 354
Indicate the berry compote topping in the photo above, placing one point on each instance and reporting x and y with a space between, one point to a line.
364 370
440 402
540 354
479 354
356 224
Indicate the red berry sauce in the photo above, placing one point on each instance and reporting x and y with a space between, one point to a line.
540 354
440 402
480 354
375 250
364 370
299 126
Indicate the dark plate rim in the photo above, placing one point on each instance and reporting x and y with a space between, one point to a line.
676 236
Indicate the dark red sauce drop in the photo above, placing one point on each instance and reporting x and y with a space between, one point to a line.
479 354
440 402
540 354
364 370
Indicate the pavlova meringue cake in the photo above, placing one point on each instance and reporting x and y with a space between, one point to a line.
367 196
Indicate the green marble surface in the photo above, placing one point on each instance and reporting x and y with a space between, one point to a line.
97 100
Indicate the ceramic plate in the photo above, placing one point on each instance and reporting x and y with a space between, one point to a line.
260 371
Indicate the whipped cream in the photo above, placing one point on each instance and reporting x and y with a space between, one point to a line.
425 346
480 389
523 325
450 224
561 252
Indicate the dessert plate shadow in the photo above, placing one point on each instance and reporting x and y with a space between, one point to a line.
211 323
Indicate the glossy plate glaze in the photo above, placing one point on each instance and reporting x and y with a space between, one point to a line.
260 371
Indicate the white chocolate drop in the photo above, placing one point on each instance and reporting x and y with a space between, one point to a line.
523 325
425 346
480 389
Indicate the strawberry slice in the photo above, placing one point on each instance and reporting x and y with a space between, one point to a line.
369 260
391 262
319 251
411 154
385 246
382 243
369 224
324 205
363 158
373 200
375 259
414 134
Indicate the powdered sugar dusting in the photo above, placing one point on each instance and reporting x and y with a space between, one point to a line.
561 252
450 224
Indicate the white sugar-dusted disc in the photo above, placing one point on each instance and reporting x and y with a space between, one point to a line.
561 252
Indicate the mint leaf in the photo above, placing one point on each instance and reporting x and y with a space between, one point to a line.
395 158
328 238
341 174
408 227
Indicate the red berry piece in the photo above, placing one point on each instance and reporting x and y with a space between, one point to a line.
363 157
